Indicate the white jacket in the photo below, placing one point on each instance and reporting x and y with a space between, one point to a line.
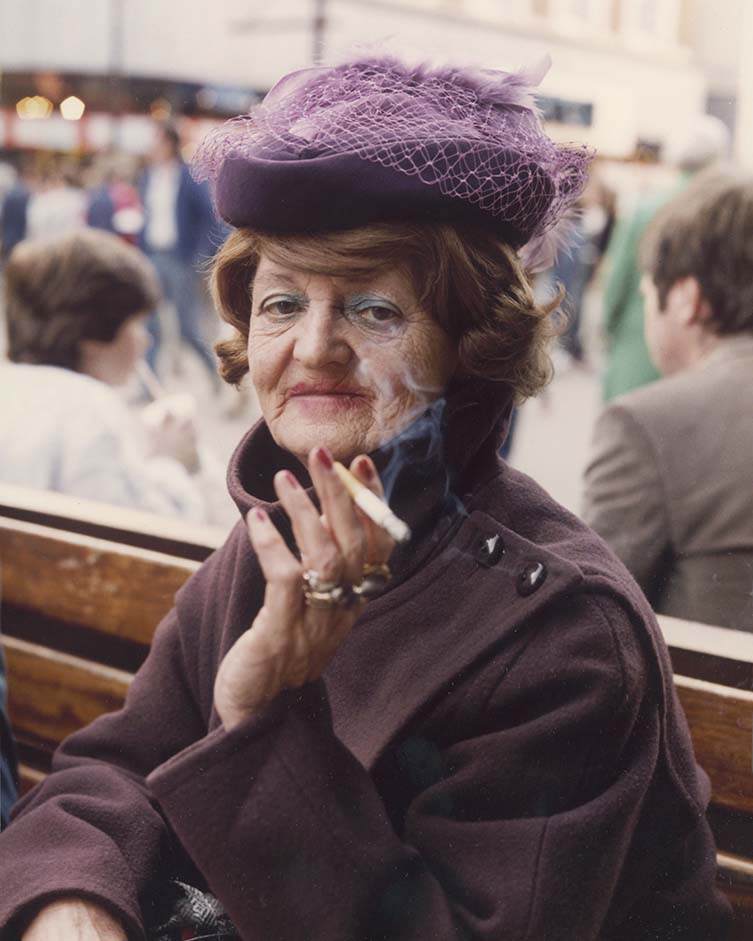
63 431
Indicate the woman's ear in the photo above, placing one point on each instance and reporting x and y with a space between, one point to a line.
703 311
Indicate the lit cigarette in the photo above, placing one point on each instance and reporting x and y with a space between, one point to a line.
376 509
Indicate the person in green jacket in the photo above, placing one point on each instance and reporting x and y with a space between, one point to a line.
628 363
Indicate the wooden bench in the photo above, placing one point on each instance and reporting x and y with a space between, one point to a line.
721 725
716 654
716 691
125 527
83 588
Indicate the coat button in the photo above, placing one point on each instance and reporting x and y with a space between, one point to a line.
489 550
531 578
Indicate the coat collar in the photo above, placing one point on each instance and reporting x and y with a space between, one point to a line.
728 348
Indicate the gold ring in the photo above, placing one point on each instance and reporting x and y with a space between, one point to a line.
374 579
324 594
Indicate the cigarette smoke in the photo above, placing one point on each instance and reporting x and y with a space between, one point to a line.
418 446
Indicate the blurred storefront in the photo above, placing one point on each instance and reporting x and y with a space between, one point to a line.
628 74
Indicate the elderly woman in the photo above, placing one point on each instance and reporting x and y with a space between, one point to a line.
485 746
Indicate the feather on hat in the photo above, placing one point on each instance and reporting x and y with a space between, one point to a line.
376 139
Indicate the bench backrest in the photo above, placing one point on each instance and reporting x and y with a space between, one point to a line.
721 725
77 614
717 654
116 524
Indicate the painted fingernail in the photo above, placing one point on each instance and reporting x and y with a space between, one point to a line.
366 468
324 458
291 480
260 515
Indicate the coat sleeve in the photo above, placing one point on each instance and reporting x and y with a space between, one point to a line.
624 499
520 828
92 828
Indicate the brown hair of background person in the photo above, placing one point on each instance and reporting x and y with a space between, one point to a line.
472 280
63 290
707 235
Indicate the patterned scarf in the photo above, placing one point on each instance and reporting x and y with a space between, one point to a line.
188 914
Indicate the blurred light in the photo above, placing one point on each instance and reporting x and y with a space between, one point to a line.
160 109
34 108
72 108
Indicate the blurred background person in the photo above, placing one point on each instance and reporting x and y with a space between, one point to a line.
113 201
591 227
58 204
76 309
179 225
8 177
669 482
628 363
14 209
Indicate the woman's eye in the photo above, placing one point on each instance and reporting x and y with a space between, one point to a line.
378 315
382 313
281 307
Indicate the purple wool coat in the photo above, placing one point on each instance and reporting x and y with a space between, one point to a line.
496 751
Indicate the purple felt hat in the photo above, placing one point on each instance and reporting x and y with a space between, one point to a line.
375 140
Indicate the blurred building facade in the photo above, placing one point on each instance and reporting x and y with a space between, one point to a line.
626 73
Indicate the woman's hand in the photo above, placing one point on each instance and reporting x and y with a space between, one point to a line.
289 643
74 919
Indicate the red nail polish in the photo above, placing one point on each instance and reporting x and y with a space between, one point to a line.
260 515
365 468
324 458
291 479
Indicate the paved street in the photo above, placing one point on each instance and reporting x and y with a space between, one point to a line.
554 433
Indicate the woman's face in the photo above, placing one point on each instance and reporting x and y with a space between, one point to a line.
342 363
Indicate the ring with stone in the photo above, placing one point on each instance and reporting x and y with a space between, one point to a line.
374 579
321 593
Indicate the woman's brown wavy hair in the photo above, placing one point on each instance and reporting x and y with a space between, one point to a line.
471 281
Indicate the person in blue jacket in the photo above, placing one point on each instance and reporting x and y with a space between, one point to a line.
13 210
180 230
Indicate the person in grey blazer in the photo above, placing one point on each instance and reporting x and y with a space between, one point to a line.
669 484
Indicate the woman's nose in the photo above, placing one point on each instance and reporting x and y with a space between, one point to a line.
321 340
